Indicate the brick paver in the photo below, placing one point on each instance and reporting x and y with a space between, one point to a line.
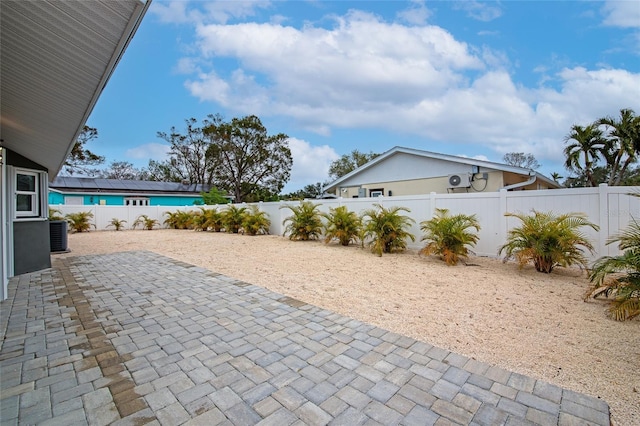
137 338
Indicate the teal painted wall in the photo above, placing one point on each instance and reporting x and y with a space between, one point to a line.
118 200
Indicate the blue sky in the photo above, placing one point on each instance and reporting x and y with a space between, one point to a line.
469 78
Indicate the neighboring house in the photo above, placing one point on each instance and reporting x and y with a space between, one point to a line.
406 171
115 192
55 59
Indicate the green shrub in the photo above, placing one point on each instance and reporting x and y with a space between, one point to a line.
305 223
619 276
548 240
179 219
214 196
55 214
386 228
117 224
146 222
232 218
342 225
255 221
448 236
80 221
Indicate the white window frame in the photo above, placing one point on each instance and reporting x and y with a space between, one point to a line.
36 195
376 193
136 201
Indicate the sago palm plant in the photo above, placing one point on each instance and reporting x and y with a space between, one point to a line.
178 219
448 236
146 222
619 276
117 224
305 223
342 225
387 228
232 218
548 240
256 222
80 221
207 219
213 219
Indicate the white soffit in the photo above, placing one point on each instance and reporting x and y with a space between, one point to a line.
55 59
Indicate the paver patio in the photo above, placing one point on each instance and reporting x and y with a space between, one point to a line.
136 338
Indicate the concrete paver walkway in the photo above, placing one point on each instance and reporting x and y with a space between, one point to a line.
137 338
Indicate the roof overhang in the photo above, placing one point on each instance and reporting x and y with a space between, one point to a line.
55 59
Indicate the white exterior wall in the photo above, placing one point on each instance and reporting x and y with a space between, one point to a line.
609 207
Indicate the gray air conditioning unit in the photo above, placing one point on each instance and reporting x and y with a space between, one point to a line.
459 181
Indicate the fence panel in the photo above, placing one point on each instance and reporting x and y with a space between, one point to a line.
612 208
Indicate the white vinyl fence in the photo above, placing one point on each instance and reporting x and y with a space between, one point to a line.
611 208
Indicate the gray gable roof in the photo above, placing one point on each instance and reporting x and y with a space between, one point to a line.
453 158
85 184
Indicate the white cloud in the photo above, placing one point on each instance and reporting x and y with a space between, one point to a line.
149 151
416 14
481 11
367 73
310 163
178 11
625 14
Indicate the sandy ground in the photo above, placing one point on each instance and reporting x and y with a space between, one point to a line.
532 323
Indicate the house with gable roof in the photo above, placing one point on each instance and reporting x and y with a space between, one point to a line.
72 190
408 171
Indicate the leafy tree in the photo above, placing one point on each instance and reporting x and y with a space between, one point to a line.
349 162
159 171
448 236
309 191
214 196
122 170
520 159
622 142
342 225
306 222
549 240
244 158
583 149
188 159
619 276
386 228
80 160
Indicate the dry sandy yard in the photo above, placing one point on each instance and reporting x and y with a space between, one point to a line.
521 320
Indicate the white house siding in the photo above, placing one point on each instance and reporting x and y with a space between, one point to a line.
439 184
403 167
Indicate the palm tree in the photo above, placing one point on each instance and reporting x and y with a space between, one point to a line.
556 177
549 240
342 225
233 217
622 142
387 228
305 223
448 236
585 146
255 221
619 276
